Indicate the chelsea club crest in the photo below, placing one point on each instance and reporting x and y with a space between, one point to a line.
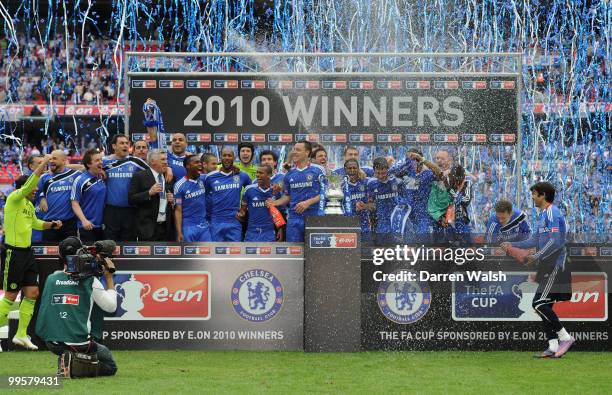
257 295
404 302
236 178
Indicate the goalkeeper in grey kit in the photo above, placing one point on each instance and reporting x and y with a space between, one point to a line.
65 318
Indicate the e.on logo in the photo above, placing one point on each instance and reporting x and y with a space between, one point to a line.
346 240
589 300
162 295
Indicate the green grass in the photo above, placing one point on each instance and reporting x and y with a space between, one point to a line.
180 372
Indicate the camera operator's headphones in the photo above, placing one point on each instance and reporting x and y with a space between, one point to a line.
69 246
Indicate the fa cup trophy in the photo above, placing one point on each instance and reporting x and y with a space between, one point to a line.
334 196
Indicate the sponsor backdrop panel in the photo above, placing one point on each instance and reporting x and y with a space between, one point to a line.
246 296
332 284
483 313
332 108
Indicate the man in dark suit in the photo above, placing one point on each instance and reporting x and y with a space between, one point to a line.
151 195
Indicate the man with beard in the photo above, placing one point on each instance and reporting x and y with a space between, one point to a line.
55 189
223 190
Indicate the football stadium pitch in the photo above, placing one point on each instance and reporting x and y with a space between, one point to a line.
180 372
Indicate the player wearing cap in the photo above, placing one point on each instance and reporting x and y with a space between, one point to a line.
246 154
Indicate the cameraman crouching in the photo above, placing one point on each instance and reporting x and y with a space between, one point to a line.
64 318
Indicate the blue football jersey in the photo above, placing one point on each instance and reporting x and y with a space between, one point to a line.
353 193
190 195
549 237
384 195
119 174
90 192
516 229
56 188
304 184
176 163
223 190
255 199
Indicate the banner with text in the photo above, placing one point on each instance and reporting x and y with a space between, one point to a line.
245 296
480 305
332 108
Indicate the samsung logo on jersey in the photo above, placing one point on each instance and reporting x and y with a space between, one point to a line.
386 196
194 194
61 189
356 196
119 175
227 186
66 282
258 204
301 184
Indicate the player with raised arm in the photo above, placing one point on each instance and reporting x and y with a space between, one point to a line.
417 175
20 269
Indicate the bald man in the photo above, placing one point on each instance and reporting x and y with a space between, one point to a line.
54 193
444 161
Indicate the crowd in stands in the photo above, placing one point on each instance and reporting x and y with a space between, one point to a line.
40 73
